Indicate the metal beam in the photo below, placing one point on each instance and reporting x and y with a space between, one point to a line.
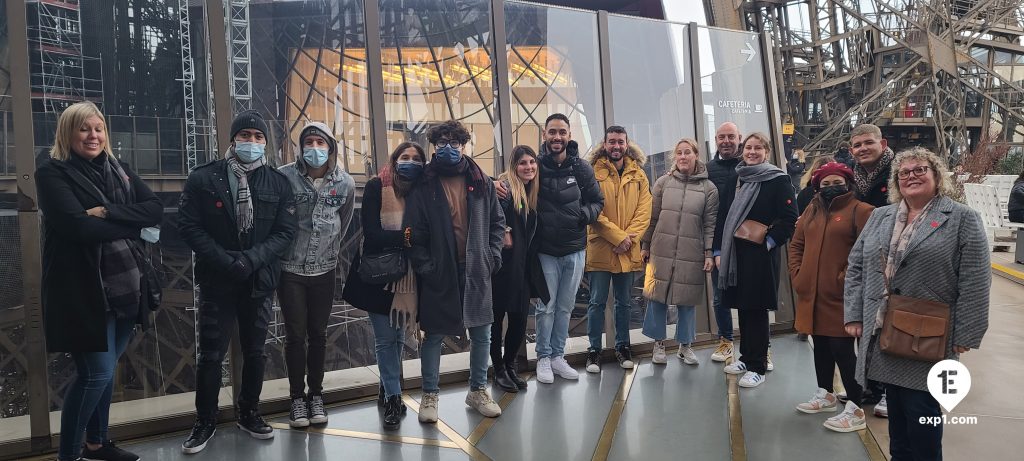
28 222
375 85
502 87
217 38
604 51
700 124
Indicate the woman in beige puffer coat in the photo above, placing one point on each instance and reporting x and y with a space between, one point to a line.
677 246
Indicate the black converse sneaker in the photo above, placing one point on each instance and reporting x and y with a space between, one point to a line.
317 413
299 414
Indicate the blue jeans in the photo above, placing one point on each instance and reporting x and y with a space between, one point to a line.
388 343
622 284
562 275
479 351
909 440
656 321
87 401
723 316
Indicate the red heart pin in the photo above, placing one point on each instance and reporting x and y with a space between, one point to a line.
471 188
935 224
838 218
788 201
883 189
219 204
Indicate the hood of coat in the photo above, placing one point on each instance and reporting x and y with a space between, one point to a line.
702 173
322 130
633 151
604 168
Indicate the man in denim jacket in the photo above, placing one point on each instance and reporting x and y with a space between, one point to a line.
324 203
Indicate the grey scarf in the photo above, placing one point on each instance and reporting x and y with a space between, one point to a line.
747 188
244 200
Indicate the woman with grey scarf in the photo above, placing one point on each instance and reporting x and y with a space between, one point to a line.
763 202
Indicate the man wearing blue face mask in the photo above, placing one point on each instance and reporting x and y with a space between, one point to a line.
455 228
324 203
237 215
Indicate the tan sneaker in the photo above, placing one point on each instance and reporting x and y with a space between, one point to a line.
723 352
428 408
822 401
770 366
482 402
851 419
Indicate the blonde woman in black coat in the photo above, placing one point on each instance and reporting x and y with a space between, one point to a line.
93 290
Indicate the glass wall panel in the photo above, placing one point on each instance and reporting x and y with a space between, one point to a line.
14 419
129 59
732 82
652 91
308 63
437 66
653 99
554 66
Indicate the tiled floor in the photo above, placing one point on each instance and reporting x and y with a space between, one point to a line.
663 412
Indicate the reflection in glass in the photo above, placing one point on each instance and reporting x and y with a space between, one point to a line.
554 66
732 81
437 66
653 94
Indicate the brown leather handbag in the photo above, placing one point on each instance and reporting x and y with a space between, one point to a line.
752 231
914 328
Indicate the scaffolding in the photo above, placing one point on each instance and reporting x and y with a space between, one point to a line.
188 77
901 64
241 64
59 76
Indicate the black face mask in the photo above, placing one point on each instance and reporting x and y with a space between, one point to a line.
831 192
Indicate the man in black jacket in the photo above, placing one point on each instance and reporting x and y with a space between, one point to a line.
237 215
722 172
570 199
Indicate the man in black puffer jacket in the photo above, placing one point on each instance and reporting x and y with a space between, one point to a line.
570 199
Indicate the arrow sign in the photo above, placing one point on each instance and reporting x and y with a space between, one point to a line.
749 52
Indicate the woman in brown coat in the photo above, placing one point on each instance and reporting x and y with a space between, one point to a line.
821 245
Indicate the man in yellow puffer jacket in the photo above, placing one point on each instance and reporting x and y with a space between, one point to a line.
613 242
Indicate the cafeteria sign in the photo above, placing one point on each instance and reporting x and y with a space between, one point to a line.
737 106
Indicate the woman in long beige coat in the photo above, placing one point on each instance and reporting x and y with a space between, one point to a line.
677 248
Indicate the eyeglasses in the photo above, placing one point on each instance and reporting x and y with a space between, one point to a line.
917 171
452 144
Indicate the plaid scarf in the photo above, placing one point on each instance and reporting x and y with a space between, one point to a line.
863 180
902 233
119 266
244 201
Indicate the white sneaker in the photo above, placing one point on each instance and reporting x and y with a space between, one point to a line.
428 408
751 379
735 368
851 419
482 402
822 401
544 374
882 408
659 353
723 351
687 356
771 365
561 368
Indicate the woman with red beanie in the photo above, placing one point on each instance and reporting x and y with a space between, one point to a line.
818 252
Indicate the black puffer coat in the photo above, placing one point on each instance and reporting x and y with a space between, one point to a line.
570 199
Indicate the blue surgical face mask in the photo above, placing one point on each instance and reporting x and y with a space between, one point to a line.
409 169
249 152
448 155
315 157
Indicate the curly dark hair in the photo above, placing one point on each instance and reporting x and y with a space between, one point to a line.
453 130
